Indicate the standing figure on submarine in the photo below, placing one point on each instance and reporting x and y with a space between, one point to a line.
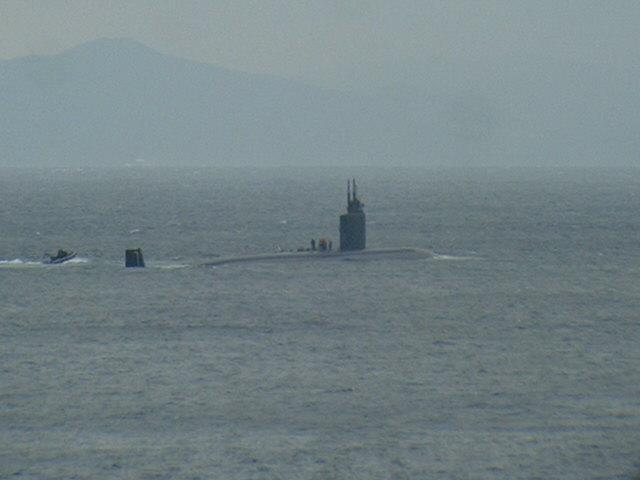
353 235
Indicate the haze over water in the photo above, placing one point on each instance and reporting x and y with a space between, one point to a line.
512 354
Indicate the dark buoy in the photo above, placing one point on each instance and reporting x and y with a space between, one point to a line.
133 258
353 235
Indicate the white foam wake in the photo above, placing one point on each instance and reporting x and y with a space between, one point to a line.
76 260
440 256
18 262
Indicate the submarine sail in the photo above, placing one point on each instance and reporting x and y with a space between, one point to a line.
353 233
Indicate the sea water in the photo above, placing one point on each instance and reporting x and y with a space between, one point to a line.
512 353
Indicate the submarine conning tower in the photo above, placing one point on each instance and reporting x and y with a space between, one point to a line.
353 233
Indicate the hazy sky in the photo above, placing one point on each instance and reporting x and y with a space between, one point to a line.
332 41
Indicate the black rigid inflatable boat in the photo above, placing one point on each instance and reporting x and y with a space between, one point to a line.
61 257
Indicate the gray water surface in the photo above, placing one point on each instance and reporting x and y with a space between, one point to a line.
511 354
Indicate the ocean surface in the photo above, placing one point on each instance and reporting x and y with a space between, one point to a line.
513 353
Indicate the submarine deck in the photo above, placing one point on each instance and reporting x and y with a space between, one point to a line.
405 252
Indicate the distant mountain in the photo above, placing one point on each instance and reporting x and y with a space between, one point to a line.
112 101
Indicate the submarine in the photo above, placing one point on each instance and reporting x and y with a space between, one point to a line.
353 241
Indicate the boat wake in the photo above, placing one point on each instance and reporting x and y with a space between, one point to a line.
76 260
21 263
18 263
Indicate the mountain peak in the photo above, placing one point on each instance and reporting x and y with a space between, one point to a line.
108 47
111 43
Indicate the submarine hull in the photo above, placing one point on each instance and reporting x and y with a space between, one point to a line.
402 252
